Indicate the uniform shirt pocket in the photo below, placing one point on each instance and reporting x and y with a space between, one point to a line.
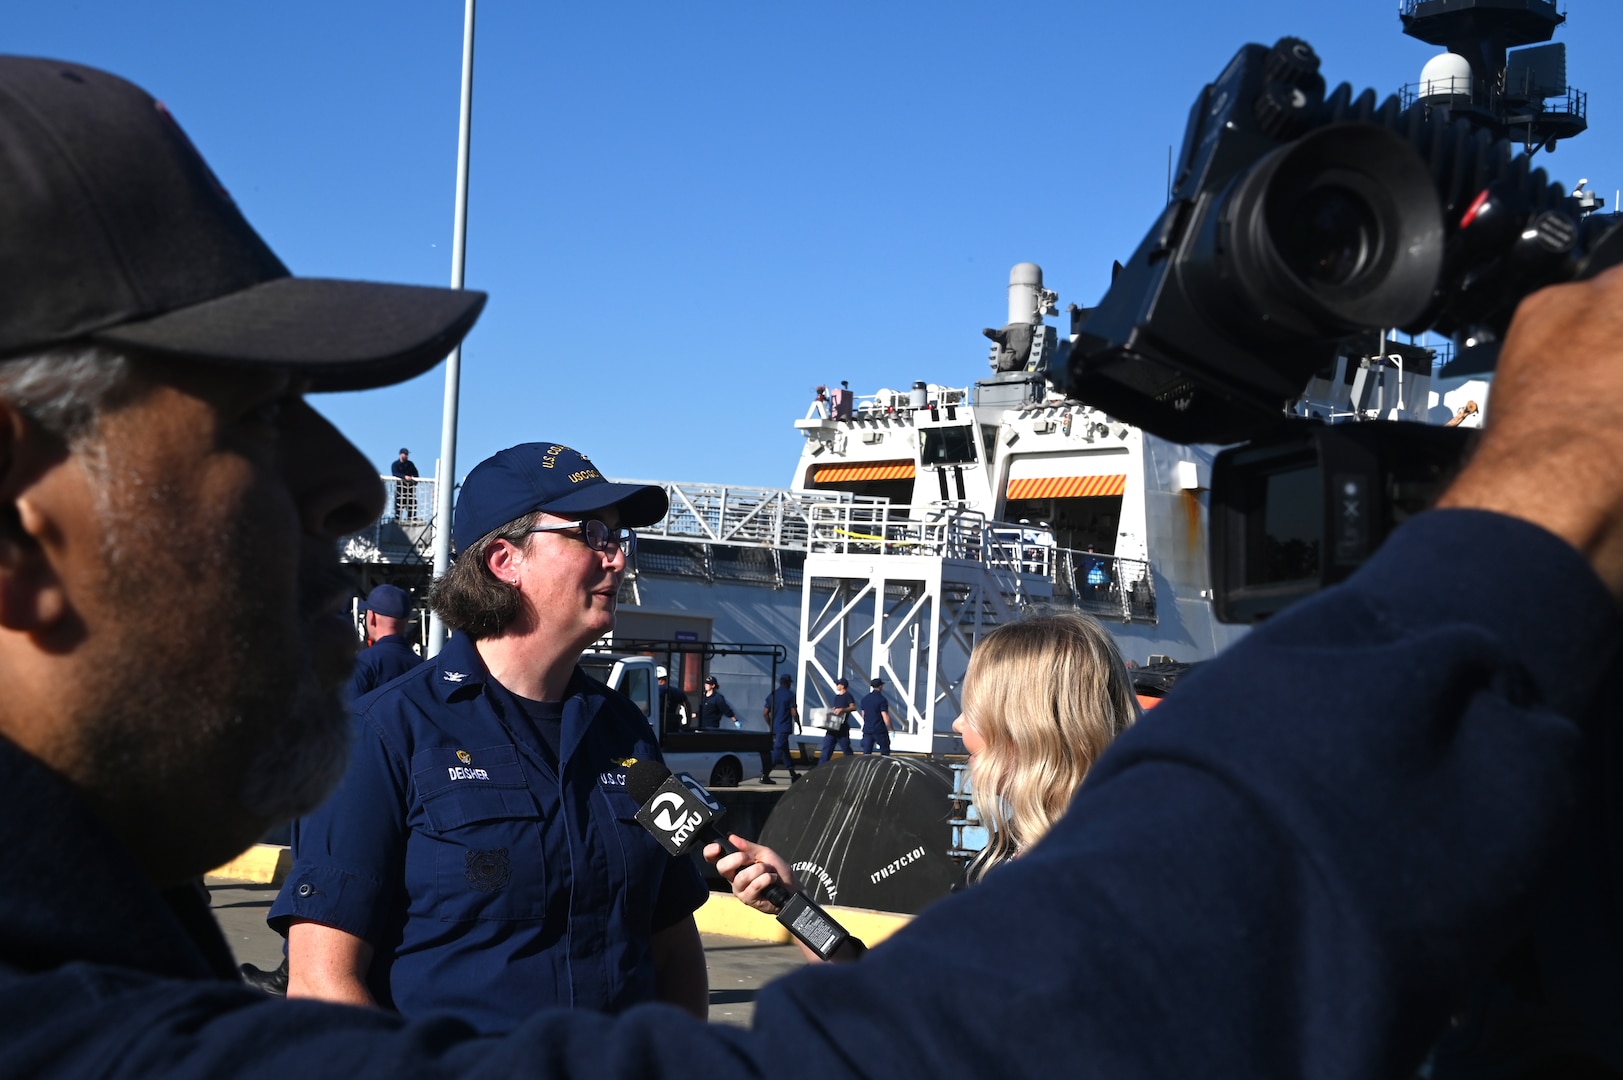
643 860
478 849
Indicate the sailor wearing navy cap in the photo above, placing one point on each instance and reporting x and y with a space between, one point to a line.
839 738
481 857
876 719
404 471
388 656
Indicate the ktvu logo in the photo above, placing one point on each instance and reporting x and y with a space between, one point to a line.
672 816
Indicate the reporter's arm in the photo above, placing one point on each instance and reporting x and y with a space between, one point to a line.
327 964
755 868
750 871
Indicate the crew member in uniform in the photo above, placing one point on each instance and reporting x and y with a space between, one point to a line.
405 486
714 705
784 716
839 738
673 702
876 719
481 858
388 656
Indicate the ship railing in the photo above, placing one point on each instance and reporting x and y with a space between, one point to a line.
743 516
707 514
405 532
1564 103
890 402
898 529
1105 585
1016 554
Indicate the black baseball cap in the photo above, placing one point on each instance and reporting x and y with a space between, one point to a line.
114 230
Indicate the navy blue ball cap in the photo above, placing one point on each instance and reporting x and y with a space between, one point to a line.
390 601
114 230
551 478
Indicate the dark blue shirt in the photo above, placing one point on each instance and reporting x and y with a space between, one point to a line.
712 707
388 658
843 700
874 706
1330 886
489 880
781 705
673 701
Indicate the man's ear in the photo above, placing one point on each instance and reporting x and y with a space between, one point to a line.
32 597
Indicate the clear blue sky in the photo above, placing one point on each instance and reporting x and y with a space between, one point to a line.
688 214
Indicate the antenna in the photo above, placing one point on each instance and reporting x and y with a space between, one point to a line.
1520 94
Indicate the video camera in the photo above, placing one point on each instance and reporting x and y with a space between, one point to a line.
1296 221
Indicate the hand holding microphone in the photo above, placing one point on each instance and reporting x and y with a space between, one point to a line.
752 870
680 813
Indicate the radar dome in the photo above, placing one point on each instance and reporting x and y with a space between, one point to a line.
1446 79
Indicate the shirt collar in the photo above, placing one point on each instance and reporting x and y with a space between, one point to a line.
458 669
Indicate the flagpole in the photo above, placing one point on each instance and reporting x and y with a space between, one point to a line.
444 488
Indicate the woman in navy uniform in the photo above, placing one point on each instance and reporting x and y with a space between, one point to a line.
713 706
481 857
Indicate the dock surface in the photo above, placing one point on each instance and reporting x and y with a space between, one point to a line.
739 967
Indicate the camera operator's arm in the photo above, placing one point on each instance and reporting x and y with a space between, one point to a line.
1554 435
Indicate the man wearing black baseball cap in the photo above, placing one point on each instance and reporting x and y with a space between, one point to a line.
404 471
568 900
173 627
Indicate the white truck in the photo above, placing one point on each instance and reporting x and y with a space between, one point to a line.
721 758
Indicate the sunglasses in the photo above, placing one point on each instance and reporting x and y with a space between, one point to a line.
596 535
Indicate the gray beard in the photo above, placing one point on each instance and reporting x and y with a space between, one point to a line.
295 771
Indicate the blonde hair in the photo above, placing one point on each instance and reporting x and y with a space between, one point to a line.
1046 694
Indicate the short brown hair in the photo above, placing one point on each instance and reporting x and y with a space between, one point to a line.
469 598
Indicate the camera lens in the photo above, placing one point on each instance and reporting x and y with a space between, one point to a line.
1340 230
1328 236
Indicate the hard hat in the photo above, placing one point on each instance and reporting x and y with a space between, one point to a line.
661 673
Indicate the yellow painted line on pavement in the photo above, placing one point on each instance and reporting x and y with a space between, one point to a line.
723 914
262 864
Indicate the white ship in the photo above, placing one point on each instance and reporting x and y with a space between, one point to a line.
962 506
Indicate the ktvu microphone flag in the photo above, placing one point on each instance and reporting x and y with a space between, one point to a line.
677 813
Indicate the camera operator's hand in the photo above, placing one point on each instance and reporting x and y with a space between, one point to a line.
1550 449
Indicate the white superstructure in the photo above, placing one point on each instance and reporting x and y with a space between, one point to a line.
998 498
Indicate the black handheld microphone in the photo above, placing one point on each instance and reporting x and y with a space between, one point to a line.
679 812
